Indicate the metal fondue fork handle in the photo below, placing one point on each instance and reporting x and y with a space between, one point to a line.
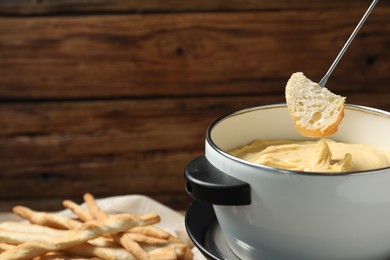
346 45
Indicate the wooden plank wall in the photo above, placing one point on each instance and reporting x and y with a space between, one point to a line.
114 97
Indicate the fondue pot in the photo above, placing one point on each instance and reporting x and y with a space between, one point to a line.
269 213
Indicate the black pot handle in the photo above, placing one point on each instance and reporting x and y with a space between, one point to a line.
206 183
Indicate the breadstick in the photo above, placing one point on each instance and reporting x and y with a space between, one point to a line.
15 238
150 231
77 210
87 231
103 242
129 242
146 239
126 241
163 253
46 219
95 235
149 216
42 230
85 216
63 256
5 247
132 246
85 249
108 253
31 228
96 212
181 250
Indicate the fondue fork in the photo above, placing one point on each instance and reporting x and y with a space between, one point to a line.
346 45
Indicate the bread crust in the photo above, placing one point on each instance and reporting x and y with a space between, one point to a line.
303 99
318 133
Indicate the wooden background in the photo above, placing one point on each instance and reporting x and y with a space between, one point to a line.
114 97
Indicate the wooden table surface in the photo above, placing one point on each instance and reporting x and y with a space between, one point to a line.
114 97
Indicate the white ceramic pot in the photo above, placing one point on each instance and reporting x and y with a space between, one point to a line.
271 213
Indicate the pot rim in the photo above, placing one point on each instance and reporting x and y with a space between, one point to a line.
209 140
